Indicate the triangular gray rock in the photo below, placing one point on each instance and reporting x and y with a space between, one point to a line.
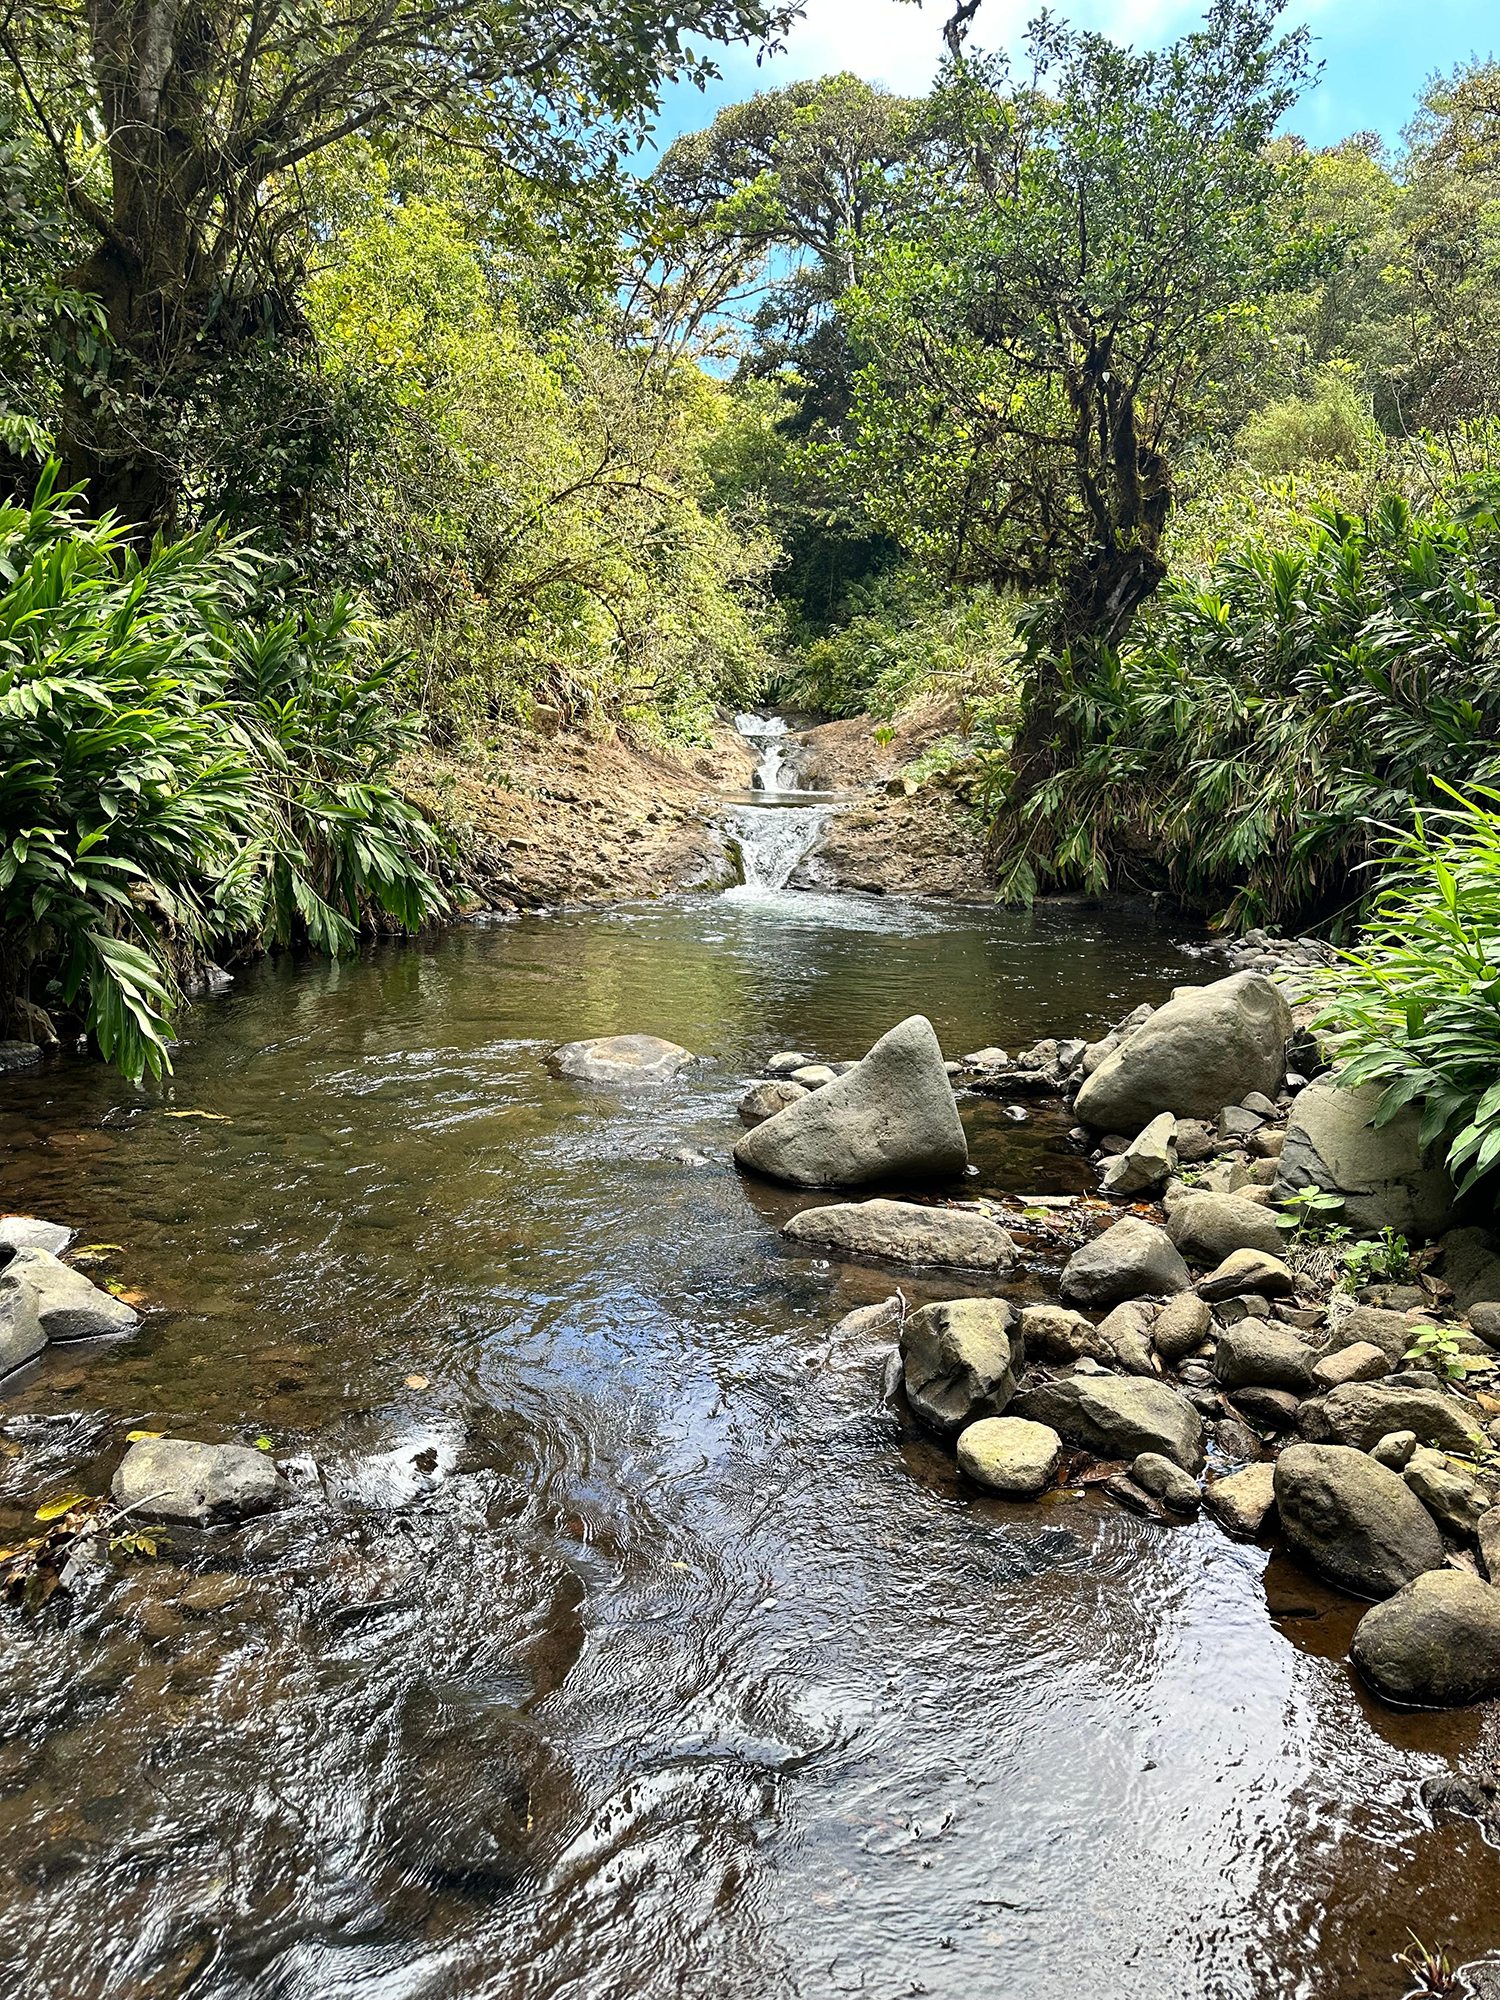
891 1117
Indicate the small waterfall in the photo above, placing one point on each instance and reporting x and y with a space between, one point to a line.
765 733
771 841
771 837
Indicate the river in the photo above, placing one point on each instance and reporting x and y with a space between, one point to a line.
622 1642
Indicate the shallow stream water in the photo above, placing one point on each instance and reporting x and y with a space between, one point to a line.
624 1643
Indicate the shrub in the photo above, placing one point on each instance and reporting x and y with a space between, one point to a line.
1239 751
902 643
173 773
1417 1005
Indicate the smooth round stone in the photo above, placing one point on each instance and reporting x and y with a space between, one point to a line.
1010 1455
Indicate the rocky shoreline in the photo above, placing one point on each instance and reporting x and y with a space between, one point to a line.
1201 1354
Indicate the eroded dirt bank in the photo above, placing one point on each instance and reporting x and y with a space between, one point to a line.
574 818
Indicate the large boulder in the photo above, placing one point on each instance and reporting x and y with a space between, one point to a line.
1362 1413
1208 1228
1435 1644
1132 1259
903 1232
1263 1352
1206 1048
893 1116
617 1060
1385 1178
68 1305
1354 1521
1010 1455
1117 1416
959 1360
174 1479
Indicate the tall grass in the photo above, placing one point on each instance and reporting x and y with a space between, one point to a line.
1238 752
176 772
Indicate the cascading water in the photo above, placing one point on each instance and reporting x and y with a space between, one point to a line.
766 733
771 835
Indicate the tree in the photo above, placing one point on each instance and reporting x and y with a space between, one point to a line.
211 112
1046 306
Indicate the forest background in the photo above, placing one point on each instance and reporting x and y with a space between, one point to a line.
359 384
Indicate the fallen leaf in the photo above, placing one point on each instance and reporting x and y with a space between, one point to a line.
55 1509
139 1437
263 1443
213 1117
417 1382
1490 1404
96 1249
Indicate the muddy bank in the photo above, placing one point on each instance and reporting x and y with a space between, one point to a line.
574 818
581 819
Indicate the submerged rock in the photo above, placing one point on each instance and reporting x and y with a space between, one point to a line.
1385 1178
1131 1260
1435 1643
1117 1416
1010 1455
903 1232
1208 1228
174 1479
959 1360
621 1059
764 1100
893 1116
1206 1048
1355 1521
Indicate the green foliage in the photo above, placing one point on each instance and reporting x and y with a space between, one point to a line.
1331 425
531 504
1438 1347
904 642
1384 1258
1417 1004
174 771
1044 313
1239 750
1307 1216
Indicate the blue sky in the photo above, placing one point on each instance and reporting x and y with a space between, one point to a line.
1376 53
